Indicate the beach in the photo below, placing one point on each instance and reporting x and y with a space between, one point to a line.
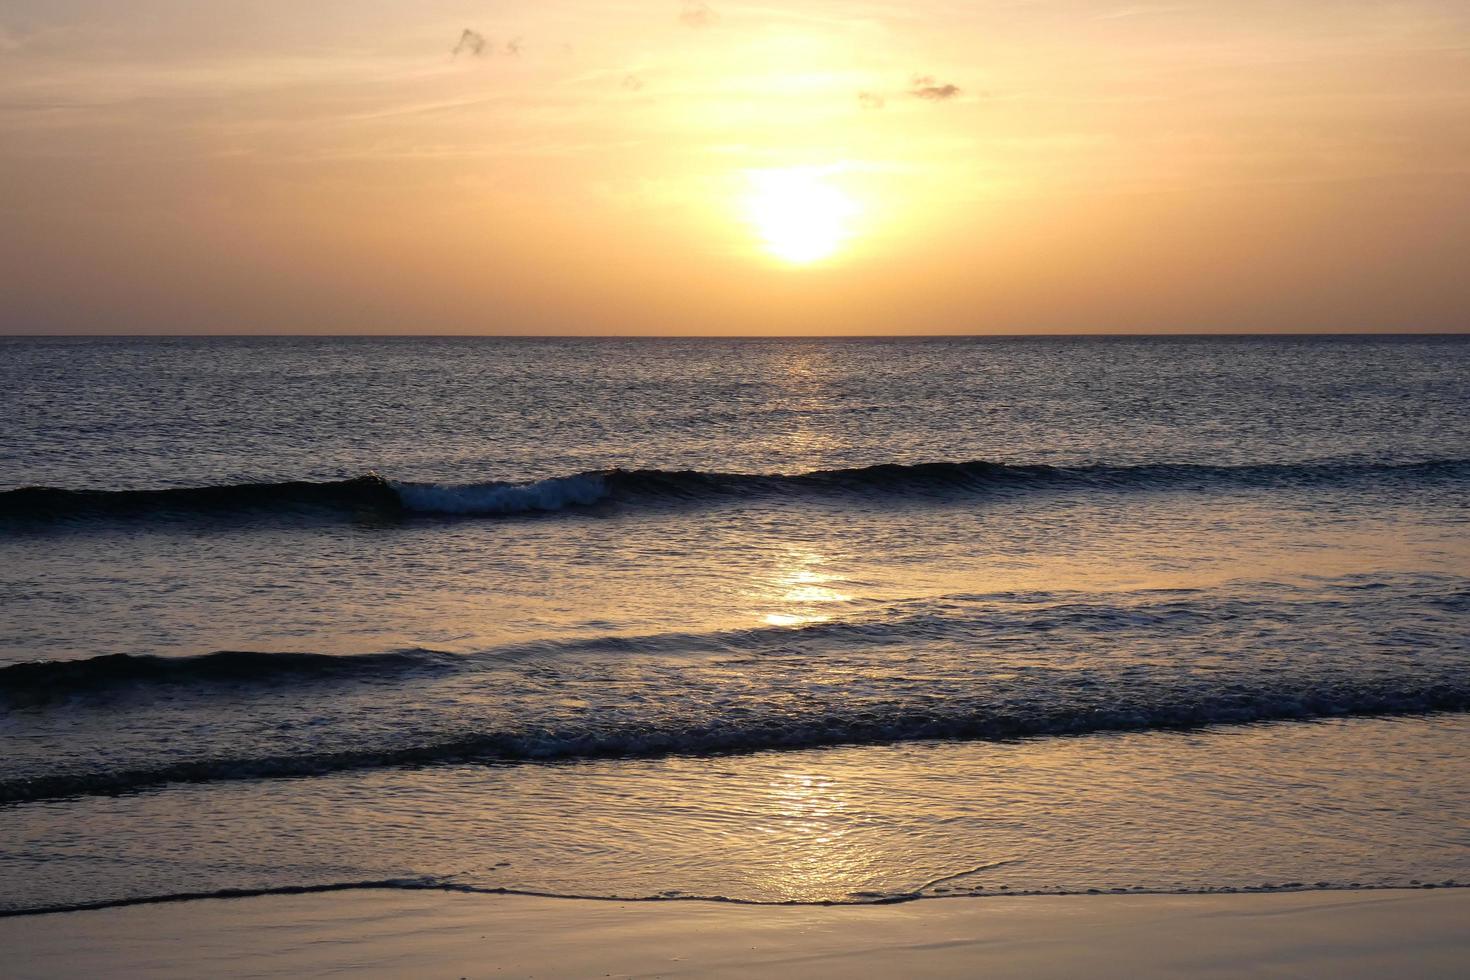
1378 933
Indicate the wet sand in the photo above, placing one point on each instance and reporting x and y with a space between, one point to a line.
1418 933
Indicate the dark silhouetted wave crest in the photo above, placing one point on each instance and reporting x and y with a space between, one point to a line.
373 495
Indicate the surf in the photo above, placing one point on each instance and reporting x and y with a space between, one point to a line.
373 495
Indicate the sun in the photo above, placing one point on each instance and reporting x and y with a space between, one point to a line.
798 214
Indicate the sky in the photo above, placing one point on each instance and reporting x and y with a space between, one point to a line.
683 167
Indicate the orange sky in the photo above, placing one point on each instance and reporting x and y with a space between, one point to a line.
173 166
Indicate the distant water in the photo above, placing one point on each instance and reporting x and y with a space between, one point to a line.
762 620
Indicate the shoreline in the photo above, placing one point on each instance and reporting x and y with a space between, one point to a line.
422 932
449 888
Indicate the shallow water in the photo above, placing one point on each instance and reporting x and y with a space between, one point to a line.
1340 804
558 616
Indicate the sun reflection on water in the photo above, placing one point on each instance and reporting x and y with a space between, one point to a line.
812 820
804 593
787 619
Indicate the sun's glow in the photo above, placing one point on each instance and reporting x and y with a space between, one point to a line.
799 215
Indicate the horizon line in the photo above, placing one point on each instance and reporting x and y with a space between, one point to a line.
738 336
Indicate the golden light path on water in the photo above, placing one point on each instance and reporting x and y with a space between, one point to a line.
847 823
804 591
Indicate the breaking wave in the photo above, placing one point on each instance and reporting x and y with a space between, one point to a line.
1144 708
373 495
45 680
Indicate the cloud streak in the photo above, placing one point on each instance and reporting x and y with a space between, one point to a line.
925 87
479 46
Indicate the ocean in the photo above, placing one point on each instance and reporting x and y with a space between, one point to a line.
792 620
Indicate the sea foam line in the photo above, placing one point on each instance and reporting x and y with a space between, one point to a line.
430 884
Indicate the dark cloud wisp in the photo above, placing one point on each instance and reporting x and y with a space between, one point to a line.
925 87
470 42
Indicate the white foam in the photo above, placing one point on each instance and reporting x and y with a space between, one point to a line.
502 498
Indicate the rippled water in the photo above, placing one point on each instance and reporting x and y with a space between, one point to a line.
767 620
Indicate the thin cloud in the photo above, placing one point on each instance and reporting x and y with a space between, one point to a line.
478 45
871 100
470 42
925 87
696 13
632 83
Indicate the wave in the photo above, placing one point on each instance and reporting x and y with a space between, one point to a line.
1124 711
44 680
373 495
894 623
36 682
369 493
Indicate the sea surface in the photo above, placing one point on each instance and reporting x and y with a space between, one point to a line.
767 621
